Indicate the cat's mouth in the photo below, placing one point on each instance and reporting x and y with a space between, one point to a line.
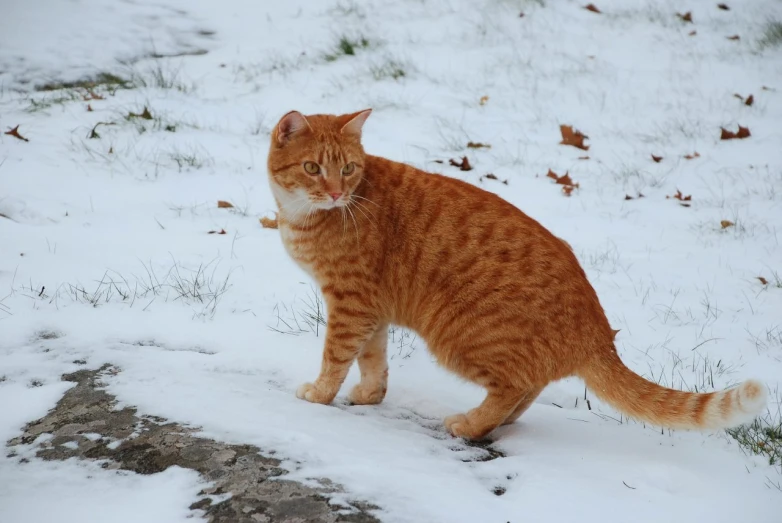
327 204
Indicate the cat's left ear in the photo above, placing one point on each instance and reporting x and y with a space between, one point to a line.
355 123
290 124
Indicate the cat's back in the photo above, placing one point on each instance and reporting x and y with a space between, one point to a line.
424 203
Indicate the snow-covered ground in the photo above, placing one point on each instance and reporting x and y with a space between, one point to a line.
106 256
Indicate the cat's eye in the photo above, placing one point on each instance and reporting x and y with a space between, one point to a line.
311 167
348 169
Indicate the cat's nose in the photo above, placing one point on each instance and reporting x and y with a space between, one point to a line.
335 195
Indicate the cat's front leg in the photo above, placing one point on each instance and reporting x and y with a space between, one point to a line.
373 364
347 331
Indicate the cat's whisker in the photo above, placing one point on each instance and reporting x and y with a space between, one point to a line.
292 214
304 201
361 207
309 211
353 216
364 198
310 214
344 220
362 212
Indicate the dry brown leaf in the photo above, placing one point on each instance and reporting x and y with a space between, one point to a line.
89 108
269 223
592 7
691 156
743 132
749 101
679 196
686 17
734 37
15 133
464 165
726 223
222 204
724 7
221 231
478 145
762 280
563 180
693 32
573 137
483 100
657 159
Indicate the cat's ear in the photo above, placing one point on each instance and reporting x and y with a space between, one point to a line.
355 123
290 124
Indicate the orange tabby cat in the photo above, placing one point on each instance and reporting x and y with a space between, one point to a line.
498 299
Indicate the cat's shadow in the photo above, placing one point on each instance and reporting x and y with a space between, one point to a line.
406 418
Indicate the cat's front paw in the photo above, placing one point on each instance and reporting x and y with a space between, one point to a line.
363 395
459 426
314 394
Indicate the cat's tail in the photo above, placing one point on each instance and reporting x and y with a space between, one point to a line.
639 398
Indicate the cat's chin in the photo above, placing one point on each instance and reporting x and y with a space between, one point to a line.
327 206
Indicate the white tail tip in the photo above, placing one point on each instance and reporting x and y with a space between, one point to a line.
752 396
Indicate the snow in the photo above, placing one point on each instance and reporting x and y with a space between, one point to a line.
129 212
82 492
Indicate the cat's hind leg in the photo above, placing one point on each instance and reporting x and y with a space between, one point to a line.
499 404
374 370
523 405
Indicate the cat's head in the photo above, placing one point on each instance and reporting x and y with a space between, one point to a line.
316 161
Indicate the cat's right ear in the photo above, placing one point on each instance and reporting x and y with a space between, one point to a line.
290 124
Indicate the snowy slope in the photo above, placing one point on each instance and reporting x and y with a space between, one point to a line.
104 244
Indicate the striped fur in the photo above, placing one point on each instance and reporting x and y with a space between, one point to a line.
499 300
